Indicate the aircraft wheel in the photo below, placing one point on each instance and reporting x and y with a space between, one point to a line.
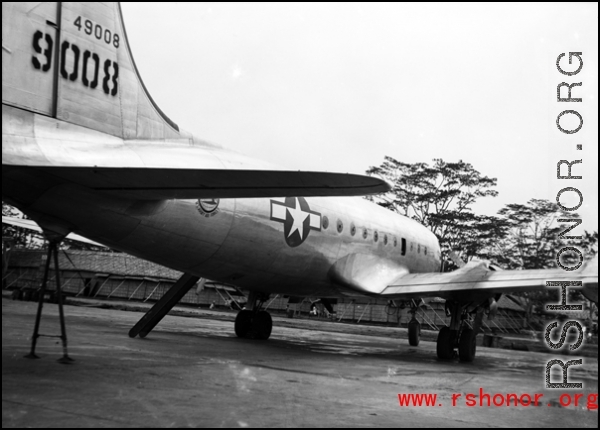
262 325
243 323
445 346
414 332
467 345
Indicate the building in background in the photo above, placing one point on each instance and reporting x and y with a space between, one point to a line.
118 276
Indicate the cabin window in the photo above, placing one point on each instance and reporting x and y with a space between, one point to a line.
352 229
365 233
340 226
403 249
419 248
325 223
395 242
385 239
375 236
425 251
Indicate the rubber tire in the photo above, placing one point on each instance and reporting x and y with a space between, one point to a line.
414 332
262 325
467 345
445 345
243 323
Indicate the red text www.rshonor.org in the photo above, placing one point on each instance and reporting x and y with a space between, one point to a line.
483 399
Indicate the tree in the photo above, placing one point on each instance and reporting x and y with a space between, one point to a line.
440 197
19 236
533 241
24 238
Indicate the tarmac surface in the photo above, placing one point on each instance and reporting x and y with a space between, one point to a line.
192 371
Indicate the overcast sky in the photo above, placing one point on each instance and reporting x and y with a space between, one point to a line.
337 87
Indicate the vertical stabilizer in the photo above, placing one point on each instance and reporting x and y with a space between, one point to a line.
71 61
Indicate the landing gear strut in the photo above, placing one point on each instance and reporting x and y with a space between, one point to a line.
254 323
414 327
460 335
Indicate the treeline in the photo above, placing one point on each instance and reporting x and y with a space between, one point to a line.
441 196
520 236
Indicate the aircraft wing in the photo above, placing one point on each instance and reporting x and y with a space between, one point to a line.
169 183
476 280
31 225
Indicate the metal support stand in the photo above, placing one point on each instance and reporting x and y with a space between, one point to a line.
52 253
163 306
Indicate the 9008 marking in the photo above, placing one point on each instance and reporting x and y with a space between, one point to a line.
37 36
90 62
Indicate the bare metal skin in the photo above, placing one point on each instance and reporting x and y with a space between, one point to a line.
85 150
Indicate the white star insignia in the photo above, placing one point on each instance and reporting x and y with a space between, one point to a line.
293 214
299 217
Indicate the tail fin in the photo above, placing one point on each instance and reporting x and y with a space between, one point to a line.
71 61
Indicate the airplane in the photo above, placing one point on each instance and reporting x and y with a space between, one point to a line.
87 151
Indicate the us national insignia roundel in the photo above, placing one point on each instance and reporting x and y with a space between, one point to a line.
297 218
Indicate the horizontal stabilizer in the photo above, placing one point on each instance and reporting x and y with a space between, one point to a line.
165 183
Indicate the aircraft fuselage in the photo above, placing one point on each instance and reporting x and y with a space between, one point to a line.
315 246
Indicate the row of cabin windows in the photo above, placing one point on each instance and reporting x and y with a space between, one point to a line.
365 235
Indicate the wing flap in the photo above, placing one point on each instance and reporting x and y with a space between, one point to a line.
164 183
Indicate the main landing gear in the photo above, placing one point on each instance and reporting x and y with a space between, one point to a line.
254 323
414 327
459 335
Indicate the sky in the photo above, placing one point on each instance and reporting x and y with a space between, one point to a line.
337 87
